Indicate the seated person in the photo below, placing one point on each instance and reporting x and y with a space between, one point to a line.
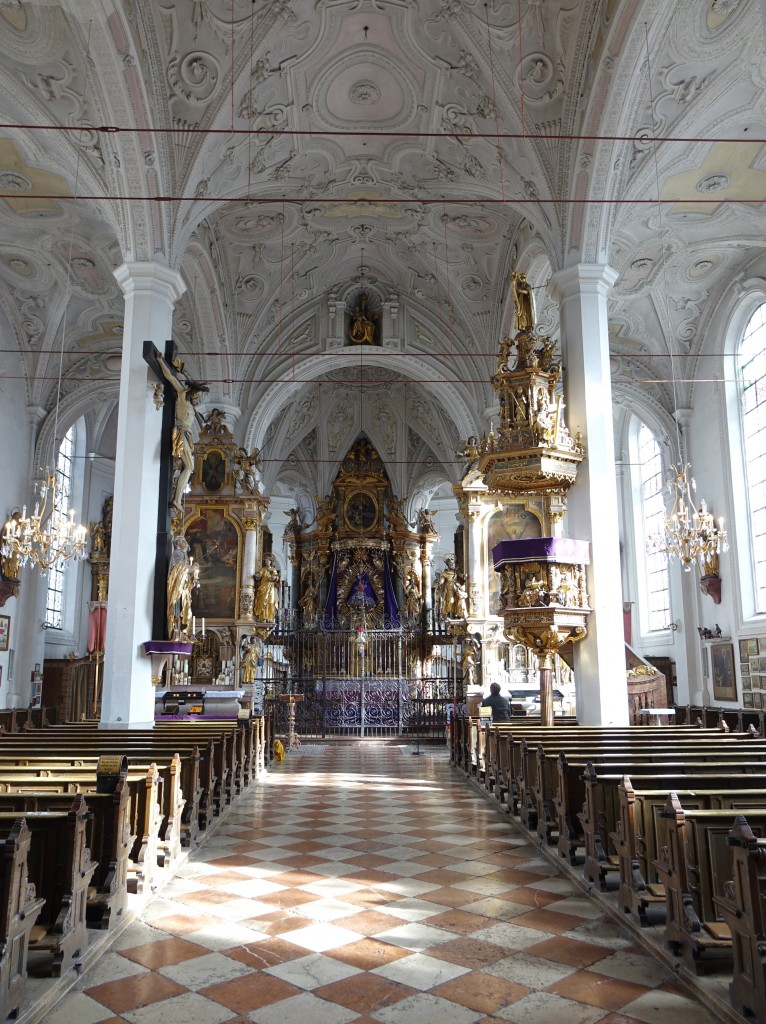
501 708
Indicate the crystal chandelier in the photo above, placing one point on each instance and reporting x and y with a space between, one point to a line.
47 538
687 533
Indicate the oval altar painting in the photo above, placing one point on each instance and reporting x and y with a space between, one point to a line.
214 545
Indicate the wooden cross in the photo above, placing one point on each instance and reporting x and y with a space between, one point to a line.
164 534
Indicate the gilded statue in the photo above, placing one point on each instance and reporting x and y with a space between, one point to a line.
308 601
250 652
468 664
395 513
183 577
267 594
187 398
325 513
546 354
426 522
411 587
524 319
98 538
446 590
361 331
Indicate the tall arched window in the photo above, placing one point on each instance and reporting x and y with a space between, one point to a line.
54 604
752 369
655 606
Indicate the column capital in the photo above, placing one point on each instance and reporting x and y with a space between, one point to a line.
582 278
148 276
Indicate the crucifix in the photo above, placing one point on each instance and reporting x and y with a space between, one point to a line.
176 442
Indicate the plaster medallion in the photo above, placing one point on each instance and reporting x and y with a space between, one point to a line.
11 181
364 92
701 267
643 263
714 183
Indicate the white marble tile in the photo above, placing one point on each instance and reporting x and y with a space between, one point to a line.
556 885
203 970
331 887
599 932
109 967
226 935
190 1008
415 936
321 937
329 909
424 1008
302 1009
77 1008
406 887
469 867
667 1008
545 1007
254 888
579 906
312 971
502 910
420 971
411 909
510 936
138 934
484 886
236 910
635 967
330 869
403 868
532 971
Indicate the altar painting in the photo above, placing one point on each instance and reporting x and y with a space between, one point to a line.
513 522
214 546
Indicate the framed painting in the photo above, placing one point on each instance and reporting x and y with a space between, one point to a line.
5 631
747 649
214 545
724 675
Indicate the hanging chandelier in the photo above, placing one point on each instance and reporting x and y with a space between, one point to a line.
687 533
47 538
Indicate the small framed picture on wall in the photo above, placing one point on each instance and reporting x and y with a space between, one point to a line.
5 631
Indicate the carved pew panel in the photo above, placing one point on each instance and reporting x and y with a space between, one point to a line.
20 907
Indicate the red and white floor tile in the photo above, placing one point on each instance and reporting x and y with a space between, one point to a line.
359 885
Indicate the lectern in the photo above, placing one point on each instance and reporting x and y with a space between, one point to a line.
291 700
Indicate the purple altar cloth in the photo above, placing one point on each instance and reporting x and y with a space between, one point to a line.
168 647
541 549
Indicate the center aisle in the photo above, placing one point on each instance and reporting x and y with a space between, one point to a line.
361 884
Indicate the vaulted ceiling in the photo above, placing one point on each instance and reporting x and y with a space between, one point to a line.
286 154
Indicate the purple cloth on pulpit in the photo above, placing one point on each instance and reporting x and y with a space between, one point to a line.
541 549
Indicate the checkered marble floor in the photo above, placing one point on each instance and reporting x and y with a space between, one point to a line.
364 885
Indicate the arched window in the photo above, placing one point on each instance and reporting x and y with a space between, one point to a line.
752 369
655 598
54 603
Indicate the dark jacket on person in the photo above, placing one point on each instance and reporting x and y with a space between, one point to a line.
501 708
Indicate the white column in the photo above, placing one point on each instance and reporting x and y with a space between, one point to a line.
599 660
128 697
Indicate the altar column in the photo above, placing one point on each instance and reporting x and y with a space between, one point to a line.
599 659
150 290
252 518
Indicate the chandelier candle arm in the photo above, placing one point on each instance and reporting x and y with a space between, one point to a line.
48 537
687 533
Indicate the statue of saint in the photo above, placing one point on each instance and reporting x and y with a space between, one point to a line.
187 397
98 539
249 660
468 665
267 594
325 513
183 577
411 593
446 591
522 302
247 465
426 522
308 601
361 331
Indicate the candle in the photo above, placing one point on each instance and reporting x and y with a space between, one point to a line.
194 625
203 627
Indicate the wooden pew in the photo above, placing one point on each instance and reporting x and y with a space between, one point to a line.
641 830
60 868
694 867
743 908
19 909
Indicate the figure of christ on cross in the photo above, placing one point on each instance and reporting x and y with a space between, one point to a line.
178 415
